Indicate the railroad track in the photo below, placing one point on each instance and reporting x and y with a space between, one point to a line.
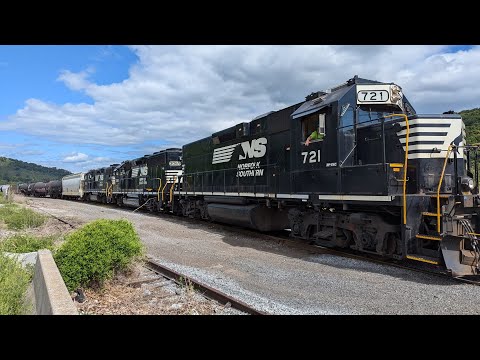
207 291
54 216
297 243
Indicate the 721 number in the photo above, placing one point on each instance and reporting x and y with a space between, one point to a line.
373 96
312 156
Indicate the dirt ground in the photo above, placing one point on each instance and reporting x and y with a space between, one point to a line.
270 276
142 292
136 292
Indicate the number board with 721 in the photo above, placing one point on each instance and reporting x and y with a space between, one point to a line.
374 94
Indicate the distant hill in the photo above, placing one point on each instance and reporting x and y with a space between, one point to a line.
15 171
471 118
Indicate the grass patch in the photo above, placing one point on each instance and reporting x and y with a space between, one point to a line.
3 200
95 252
17 218
23 243
14 281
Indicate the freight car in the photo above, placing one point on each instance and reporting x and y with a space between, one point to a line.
39 189
73 186
22 189
53 189
379 179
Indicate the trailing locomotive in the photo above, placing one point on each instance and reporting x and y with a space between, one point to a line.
379 179
148 181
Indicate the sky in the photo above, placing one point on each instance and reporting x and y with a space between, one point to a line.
82 107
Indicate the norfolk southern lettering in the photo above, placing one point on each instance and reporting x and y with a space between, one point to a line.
249 169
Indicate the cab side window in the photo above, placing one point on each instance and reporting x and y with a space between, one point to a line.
311 123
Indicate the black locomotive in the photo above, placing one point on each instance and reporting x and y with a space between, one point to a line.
379 179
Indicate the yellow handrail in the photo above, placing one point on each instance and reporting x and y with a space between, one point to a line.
171 189
108 190
166 183
440 185
158 190
404 166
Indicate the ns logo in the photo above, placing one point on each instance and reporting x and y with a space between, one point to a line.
256 149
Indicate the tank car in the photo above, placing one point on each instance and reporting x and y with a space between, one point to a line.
30 189
39 189
23 189
53 189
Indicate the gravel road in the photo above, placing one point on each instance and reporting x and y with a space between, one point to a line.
274 277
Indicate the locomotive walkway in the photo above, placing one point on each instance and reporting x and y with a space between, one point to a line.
274 277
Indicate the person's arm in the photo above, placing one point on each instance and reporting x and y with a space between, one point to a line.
312 136
307 142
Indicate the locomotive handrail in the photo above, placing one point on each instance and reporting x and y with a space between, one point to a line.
222 171
450 147
158 190
172 188
350 153
166 183
404 166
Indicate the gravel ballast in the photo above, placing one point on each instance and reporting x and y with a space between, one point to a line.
274 277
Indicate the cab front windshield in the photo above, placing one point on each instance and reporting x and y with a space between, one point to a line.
371 114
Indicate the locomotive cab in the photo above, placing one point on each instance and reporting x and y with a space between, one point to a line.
358 140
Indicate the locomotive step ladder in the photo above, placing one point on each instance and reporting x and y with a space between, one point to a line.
404 191
439 201
431 237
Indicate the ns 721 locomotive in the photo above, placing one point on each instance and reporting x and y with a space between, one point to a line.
380 179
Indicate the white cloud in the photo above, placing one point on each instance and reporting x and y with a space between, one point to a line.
76 157
82 162
75 81
178 94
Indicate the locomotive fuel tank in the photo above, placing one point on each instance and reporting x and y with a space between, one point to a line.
253 216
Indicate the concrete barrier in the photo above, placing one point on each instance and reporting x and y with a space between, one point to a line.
51 294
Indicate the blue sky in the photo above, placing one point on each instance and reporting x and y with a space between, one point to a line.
80 107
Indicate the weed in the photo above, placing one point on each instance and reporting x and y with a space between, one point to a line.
17 218
93 253
14 281
23 243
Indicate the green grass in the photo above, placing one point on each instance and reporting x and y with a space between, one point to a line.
95 252
17 218
23 243
3 200
14 281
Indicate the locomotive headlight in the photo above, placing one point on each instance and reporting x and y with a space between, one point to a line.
467 184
